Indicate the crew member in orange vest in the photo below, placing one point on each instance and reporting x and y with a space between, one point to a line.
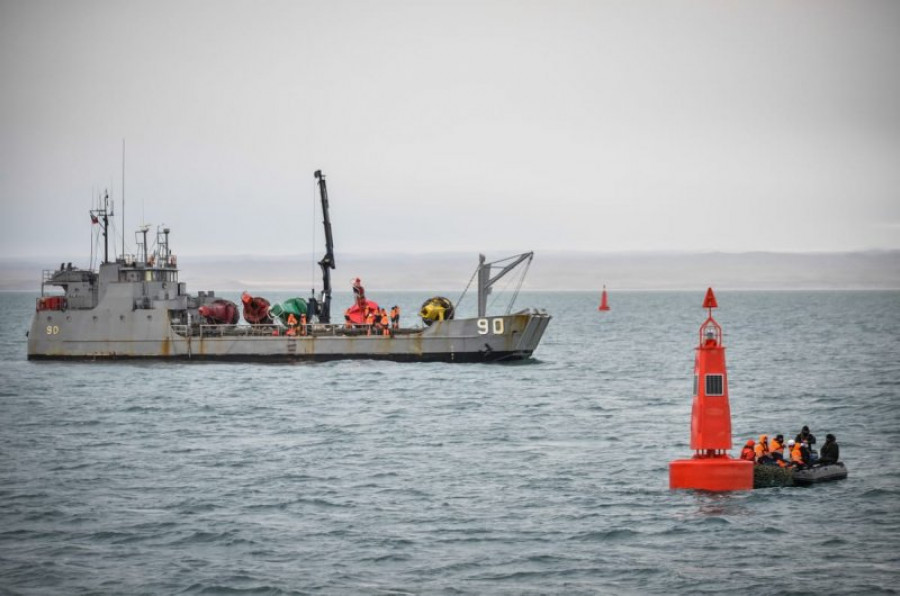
370 321
747 452
776 449
395 317
796 454
376 316
762 450
292 325
385 323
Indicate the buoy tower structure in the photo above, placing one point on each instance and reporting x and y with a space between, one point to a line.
604 301
711 468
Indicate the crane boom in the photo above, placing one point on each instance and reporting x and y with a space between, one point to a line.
327 262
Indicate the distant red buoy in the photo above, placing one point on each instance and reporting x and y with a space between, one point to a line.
604 301
711 468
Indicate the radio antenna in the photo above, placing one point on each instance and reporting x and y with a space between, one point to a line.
123 198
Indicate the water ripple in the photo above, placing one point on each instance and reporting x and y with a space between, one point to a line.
382 478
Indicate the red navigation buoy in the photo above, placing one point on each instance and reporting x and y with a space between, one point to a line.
604 302
711 468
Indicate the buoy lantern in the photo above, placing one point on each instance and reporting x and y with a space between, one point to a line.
711 468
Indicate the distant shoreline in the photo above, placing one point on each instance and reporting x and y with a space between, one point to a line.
550 271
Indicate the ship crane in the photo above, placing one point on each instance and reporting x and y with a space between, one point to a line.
327 262
486 281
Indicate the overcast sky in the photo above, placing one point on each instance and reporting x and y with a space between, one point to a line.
448 126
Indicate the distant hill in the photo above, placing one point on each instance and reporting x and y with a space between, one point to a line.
873 270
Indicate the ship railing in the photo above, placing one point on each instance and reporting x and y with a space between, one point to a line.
274 329
232 330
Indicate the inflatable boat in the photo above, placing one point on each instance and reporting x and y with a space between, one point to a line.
816 474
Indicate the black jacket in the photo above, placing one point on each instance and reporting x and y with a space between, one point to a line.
830 453
810 439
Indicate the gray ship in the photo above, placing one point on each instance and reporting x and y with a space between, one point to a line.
136 308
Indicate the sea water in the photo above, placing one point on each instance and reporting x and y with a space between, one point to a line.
366 477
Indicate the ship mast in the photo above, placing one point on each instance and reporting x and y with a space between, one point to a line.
327 261
123 199
104 213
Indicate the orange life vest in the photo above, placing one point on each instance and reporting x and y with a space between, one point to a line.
776 447
796 454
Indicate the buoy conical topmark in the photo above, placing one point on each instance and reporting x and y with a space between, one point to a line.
711 468
604 302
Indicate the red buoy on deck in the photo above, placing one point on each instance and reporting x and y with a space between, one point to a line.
220 312
358 310
711 468
256 309
604 302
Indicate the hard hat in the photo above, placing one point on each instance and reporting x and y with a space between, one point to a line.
791 442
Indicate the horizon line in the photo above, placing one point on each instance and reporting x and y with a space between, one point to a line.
555 251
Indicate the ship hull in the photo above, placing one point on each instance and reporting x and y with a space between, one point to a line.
147 334
461 357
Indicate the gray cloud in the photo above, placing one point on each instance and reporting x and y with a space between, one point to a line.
455 126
